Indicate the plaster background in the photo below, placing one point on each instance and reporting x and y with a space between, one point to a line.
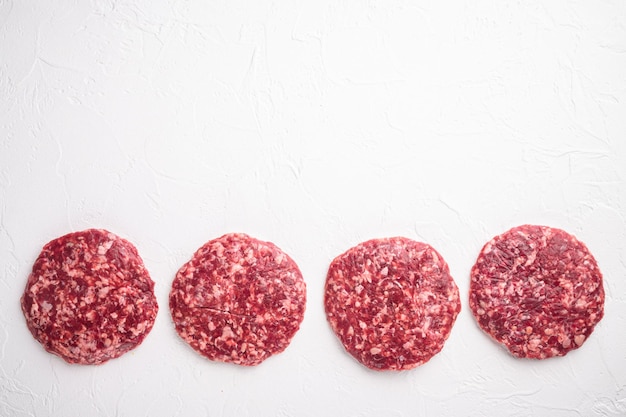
315 125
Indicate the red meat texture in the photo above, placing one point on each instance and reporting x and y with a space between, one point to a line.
391 302
537 290
238 300
89 297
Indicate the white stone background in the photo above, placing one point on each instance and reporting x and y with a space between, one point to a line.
314 125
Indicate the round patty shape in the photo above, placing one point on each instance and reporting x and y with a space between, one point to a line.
89 297
391 302
238 300
537 290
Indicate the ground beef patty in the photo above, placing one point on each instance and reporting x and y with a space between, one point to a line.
238 300
89 297
391 302
537 291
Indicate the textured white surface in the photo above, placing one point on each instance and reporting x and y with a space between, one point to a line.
315 125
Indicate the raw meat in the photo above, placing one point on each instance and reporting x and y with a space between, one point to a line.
238 300
391 302
89 297
537 290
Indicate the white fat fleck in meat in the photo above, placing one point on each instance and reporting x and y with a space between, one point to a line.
227 333
579 339
235 268
533 344
91 315
287 305
104 247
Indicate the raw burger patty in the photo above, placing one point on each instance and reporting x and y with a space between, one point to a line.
238 300
537 290
391 302
89 297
